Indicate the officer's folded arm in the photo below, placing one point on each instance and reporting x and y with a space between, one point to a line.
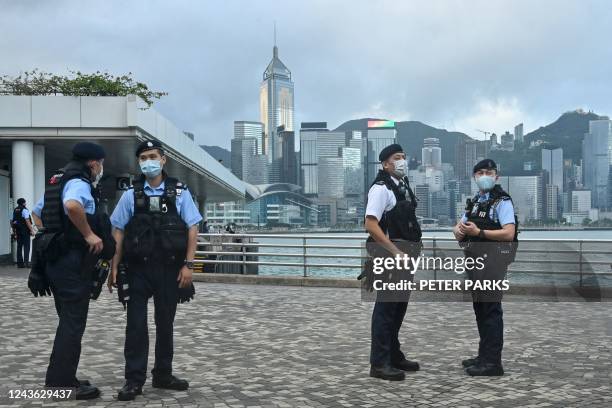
504 234
470 229
458 231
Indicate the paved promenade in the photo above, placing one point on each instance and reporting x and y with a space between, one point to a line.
273 346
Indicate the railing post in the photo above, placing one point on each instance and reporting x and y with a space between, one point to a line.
243 258
304 256
580 261
434 257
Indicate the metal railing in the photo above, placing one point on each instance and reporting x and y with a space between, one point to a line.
243 249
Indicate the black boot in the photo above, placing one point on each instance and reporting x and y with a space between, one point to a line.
407 365
485 370
170 383
387 372
87 392
129 392
470 362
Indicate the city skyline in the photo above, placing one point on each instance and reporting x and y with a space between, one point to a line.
517 62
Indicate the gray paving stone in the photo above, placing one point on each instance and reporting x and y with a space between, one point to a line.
272 346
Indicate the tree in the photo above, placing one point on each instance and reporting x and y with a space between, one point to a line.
37 82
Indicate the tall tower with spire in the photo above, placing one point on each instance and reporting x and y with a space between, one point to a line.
276 108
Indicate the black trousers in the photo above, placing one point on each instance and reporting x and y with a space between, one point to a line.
489 314
490 322
23 248
158 281
387 319
71 294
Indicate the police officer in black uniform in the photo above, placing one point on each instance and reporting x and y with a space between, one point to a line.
488 230
67 216
394 230
23 230
155 226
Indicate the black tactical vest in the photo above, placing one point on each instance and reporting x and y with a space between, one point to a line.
18 222
479 213
156 232
53 217
399 223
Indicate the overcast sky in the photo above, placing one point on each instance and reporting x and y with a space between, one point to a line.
459 65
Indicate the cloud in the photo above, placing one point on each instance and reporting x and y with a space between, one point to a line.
454 64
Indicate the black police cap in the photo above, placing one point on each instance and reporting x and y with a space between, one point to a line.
486 164
21 201
389 151
148 145
88 151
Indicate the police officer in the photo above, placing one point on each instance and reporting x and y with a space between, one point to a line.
22 227
155 226
389 218
67 208
489 220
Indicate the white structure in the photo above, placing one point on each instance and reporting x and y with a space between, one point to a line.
431 153
527 195
38 132
581 200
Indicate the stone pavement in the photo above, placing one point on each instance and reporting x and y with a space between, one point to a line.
273 346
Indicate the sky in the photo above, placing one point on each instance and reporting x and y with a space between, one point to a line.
457 65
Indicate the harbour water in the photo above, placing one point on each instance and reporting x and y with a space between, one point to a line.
557 262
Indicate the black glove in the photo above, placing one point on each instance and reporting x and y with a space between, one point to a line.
185 294
367 275
38 284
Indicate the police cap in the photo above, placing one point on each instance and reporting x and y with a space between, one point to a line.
148 145
486 164
389 151
88 151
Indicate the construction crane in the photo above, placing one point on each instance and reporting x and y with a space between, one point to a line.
485 133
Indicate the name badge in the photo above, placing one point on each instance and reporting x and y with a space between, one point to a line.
154 204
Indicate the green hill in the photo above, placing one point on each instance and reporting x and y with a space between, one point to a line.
410 134
566 132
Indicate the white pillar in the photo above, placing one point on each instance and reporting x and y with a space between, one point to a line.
22 173
39 174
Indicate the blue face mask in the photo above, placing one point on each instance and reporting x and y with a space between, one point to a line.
485 183
151 168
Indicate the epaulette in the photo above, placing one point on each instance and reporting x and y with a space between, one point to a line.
381 183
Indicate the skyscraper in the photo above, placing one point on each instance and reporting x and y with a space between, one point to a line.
431 154
245 128
597 158
380 134
552 162
518 133
288 166
276 109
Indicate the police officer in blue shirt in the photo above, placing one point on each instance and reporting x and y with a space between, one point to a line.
67 209
155 225
488 221
22 227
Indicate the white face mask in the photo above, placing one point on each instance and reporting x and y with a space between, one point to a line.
401 166
98 177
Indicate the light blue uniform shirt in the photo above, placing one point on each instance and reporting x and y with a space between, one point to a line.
124 210
77 190
502 211
25 213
